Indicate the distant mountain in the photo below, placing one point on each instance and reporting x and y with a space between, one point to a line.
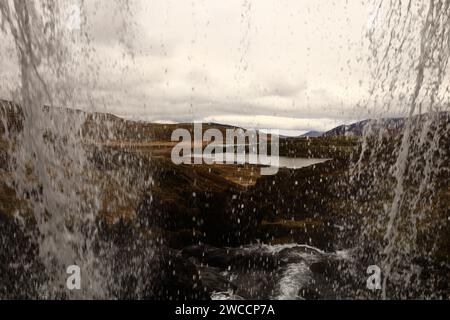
356 129
312 134
392 125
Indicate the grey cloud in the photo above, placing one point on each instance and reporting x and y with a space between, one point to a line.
284 88
108 25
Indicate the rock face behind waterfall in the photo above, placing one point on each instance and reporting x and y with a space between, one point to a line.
20 270
141 269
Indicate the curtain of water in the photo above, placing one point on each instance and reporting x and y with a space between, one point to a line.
54 160
49 163
410 48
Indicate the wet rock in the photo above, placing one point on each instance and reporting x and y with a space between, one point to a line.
162 275
233 258
175 278
314 232
326 267
205 254
230 218
21 272
199 251
214 281
257 260
309 294
142 269
255 284
294 254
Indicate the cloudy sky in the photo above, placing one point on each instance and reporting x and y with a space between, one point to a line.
285 64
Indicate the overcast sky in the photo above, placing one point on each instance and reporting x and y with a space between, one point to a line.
285 64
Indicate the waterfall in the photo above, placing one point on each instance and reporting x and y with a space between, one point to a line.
404 172
49 161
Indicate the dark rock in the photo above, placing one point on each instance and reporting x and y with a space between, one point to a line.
162 275
233 258
143 269
293 255
309 294
21 272
175 278
255 284
198 251
212 280
327 267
